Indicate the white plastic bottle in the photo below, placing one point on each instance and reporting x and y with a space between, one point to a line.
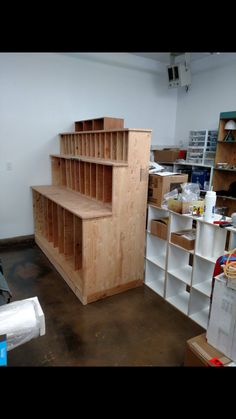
209 207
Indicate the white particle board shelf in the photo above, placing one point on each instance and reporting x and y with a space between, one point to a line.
204 287
154 277
183 277
180 301
201 317
183 274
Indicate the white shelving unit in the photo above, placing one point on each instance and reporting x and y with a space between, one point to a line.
184 277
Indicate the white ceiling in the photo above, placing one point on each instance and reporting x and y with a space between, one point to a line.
164 57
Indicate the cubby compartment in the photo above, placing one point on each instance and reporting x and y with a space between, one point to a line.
179 264
154 213
99 124
202 275
210 241
177 293
154 277
90 179
61 228
199 308
178 222
109 145
156 250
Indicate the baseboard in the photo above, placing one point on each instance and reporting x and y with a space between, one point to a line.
17 241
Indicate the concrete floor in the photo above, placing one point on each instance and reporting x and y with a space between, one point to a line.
135 328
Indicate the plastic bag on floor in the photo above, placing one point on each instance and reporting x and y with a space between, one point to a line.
21 321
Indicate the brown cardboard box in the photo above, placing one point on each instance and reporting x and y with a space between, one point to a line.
160 185
159 228
184 207
199 353
166 155
184 238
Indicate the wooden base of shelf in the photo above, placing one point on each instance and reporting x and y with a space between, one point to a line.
74 279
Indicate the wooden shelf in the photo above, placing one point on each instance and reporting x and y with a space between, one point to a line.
225 170
91 160
90 222
99 124
74 202
91 179
226 197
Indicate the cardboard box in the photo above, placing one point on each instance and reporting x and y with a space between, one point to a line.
199 353
159 228
159 185
184 238
221 331
183 207
166 155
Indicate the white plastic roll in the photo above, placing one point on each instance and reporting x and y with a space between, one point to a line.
21 321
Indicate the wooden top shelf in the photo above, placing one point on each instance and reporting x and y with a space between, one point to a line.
91 160
74 202
105 130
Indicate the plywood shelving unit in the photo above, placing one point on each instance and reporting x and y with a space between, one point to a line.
225 153
90 222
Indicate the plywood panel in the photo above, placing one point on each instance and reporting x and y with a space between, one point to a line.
63 177
93 180
102 145
77 243
60 229
77 175
107 145
55 224
50 223
87 179
96 138
68 173
99 185
73 174
68 235
55 166
82 177
83 137
113 146
119 145
107 183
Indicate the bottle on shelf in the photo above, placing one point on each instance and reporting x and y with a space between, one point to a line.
209 207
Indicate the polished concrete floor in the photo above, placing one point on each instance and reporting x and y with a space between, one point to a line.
135 328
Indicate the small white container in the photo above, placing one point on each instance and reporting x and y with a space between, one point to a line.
209 207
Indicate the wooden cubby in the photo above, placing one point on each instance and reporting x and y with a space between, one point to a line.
90 178
109 145
90 222
225 153
99 124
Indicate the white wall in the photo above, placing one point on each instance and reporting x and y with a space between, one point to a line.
43 94
212 91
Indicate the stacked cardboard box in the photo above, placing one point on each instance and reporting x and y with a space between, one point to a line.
159 185
159 228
